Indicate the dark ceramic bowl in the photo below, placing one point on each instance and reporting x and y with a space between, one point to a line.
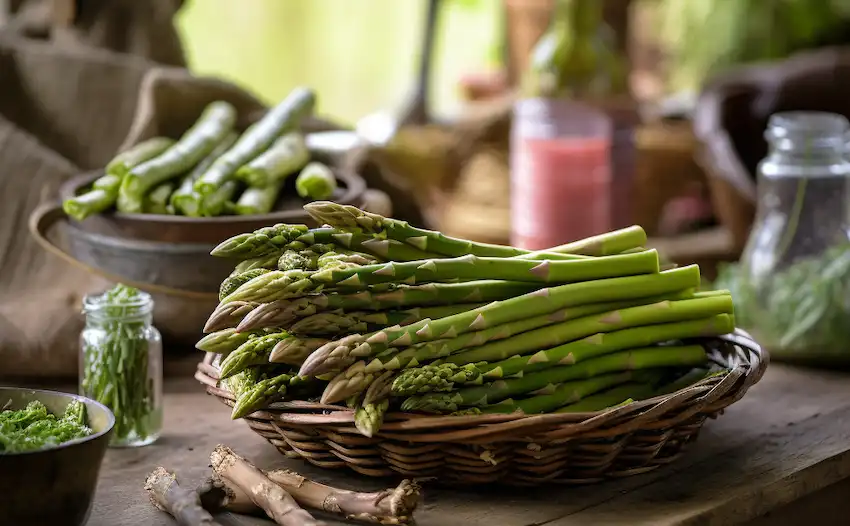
53 486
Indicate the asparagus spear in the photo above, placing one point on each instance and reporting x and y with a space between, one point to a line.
543 301
219 200
423 352
294 350
571 330
316 181
224 341
567 393
287 155
255 351
369 417
266 390
255 201
357 377
644 358
345 216
285 116
215 123
474 267
229 315
260 242
604 343
609 398
233 282
388 249
276 285
144 151
269 261
437 378
104 191
156 201
282 312
185 199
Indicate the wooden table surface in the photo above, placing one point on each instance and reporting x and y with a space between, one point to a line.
787 439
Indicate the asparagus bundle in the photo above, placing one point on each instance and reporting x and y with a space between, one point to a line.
381 315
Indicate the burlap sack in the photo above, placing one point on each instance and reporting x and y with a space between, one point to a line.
63 111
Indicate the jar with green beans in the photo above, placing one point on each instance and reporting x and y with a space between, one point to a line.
121 363
793 286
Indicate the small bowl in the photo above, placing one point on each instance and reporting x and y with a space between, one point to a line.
53 486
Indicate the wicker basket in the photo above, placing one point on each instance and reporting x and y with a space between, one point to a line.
569 448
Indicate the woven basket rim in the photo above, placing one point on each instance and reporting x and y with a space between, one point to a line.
737 351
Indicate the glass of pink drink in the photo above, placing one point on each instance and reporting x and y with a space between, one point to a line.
560 173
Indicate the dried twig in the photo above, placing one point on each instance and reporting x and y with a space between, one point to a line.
243 476
182 504
392 506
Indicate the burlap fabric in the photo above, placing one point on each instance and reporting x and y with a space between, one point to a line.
64 110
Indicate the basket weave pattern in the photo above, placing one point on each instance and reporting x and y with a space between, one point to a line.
569 448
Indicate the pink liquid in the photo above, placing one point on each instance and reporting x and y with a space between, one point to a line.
560 190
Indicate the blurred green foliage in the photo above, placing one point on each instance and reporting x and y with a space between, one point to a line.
361 56
710 35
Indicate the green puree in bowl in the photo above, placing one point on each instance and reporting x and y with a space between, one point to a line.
35 428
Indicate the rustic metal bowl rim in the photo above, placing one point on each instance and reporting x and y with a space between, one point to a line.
110 417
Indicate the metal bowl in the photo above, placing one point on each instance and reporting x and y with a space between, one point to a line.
166 256
53 486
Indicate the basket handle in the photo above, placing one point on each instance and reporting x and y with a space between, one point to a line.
48 215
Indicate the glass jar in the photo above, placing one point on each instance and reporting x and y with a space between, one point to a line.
794 282
121 363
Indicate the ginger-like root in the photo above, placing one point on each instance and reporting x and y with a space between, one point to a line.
243 476
182 504
392 506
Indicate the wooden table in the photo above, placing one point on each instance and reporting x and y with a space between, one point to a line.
783 451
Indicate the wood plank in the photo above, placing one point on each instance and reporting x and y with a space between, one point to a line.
786 439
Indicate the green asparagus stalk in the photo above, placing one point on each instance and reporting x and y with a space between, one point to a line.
564 394
316 181
617 242
276 285
224 341
434 379
338 321
215 123
264 391
280 119
294 350
260 242
541 302
473 267
369 417
156 202
423 352
279 313
699 310
269 262
604 343
345 216
255 351
612 397
185 199
387 249
229 315
233 282
255 201
100 198
144 151
665 312
491 393
219 201
285 156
